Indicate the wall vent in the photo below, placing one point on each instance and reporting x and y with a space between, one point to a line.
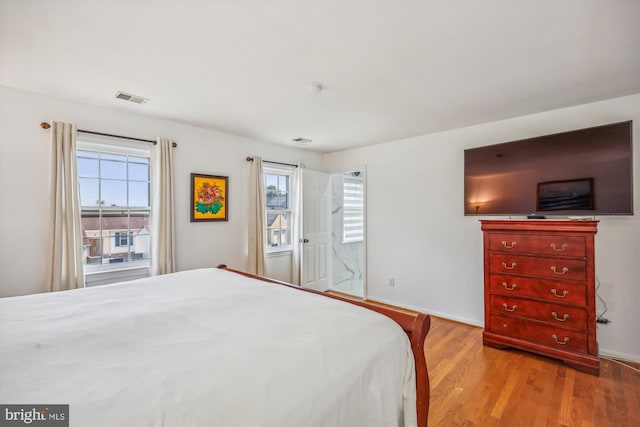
131 98
301 141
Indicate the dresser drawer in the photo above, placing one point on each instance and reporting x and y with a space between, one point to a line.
557 268
551 290
574 246
569 317
539 333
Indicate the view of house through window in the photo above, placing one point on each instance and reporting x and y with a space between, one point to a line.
115 201
278 209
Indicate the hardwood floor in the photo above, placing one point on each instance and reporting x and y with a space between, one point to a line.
473 385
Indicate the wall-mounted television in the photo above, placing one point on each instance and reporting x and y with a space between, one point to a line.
583 172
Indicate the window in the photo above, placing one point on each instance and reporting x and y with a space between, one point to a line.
278 209
114 184
122 239
353 202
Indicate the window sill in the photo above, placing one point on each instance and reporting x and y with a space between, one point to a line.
105 277
279 252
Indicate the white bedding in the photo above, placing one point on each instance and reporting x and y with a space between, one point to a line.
205 348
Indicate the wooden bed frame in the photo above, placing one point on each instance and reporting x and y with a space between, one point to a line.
416 325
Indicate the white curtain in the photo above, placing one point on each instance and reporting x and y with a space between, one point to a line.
163 235
64 267
296 227
257 257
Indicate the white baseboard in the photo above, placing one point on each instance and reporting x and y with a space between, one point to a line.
603 352
435 313
619 356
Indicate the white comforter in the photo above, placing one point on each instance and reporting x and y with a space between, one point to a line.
205 348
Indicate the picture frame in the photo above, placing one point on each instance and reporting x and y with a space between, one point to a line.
573 194
209 198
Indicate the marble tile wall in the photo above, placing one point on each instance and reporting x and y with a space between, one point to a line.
347 258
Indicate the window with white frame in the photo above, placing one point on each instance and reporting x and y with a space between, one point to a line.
277 183
115 186
353 208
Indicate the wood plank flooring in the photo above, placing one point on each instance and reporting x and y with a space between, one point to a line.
473 385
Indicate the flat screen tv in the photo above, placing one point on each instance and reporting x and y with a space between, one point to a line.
584 172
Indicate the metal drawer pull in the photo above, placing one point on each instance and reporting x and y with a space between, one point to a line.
512 288
513 245
513 265
564 270
564 247
504 325
555 338
506 307
564 293
555 316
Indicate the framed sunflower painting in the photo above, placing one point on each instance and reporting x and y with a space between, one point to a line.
209 197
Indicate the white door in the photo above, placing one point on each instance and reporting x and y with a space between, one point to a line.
316 230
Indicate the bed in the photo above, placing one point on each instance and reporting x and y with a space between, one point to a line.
213 347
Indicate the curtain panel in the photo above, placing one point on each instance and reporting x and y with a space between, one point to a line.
257 255
163 235
64 268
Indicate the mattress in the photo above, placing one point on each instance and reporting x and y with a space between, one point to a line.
205 347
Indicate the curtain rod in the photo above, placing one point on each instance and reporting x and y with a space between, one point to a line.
250 159
45 125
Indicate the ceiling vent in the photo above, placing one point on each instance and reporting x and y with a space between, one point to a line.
131 98
301 141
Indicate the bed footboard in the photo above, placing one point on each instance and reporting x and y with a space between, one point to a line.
416 326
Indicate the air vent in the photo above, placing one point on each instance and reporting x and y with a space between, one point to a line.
301 141
131 98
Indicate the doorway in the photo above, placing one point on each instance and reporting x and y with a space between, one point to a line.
348 247
333 246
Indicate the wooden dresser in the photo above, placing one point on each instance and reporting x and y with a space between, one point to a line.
539 289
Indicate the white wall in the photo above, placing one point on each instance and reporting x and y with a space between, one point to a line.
24 175
418 235
416 231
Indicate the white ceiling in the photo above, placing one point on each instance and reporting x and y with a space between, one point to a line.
390 69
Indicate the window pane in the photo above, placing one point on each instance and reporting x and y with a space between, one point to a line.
92 250
114 193
283 189
285 237
139 241
138 171
271 239
276 187
87 167
86 153
140 160
278 230
285 232
113 226
271 219
139 194
117 157
276 202
89 192
113 170
91 242
283 183
271 181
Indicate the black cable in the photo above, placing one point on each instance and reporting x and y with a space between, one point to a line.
601 300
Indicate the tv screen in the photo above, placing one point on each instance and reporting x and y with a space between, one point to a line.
584 172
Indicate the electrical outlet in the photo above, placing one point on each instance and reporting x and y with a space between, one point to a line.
392 282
